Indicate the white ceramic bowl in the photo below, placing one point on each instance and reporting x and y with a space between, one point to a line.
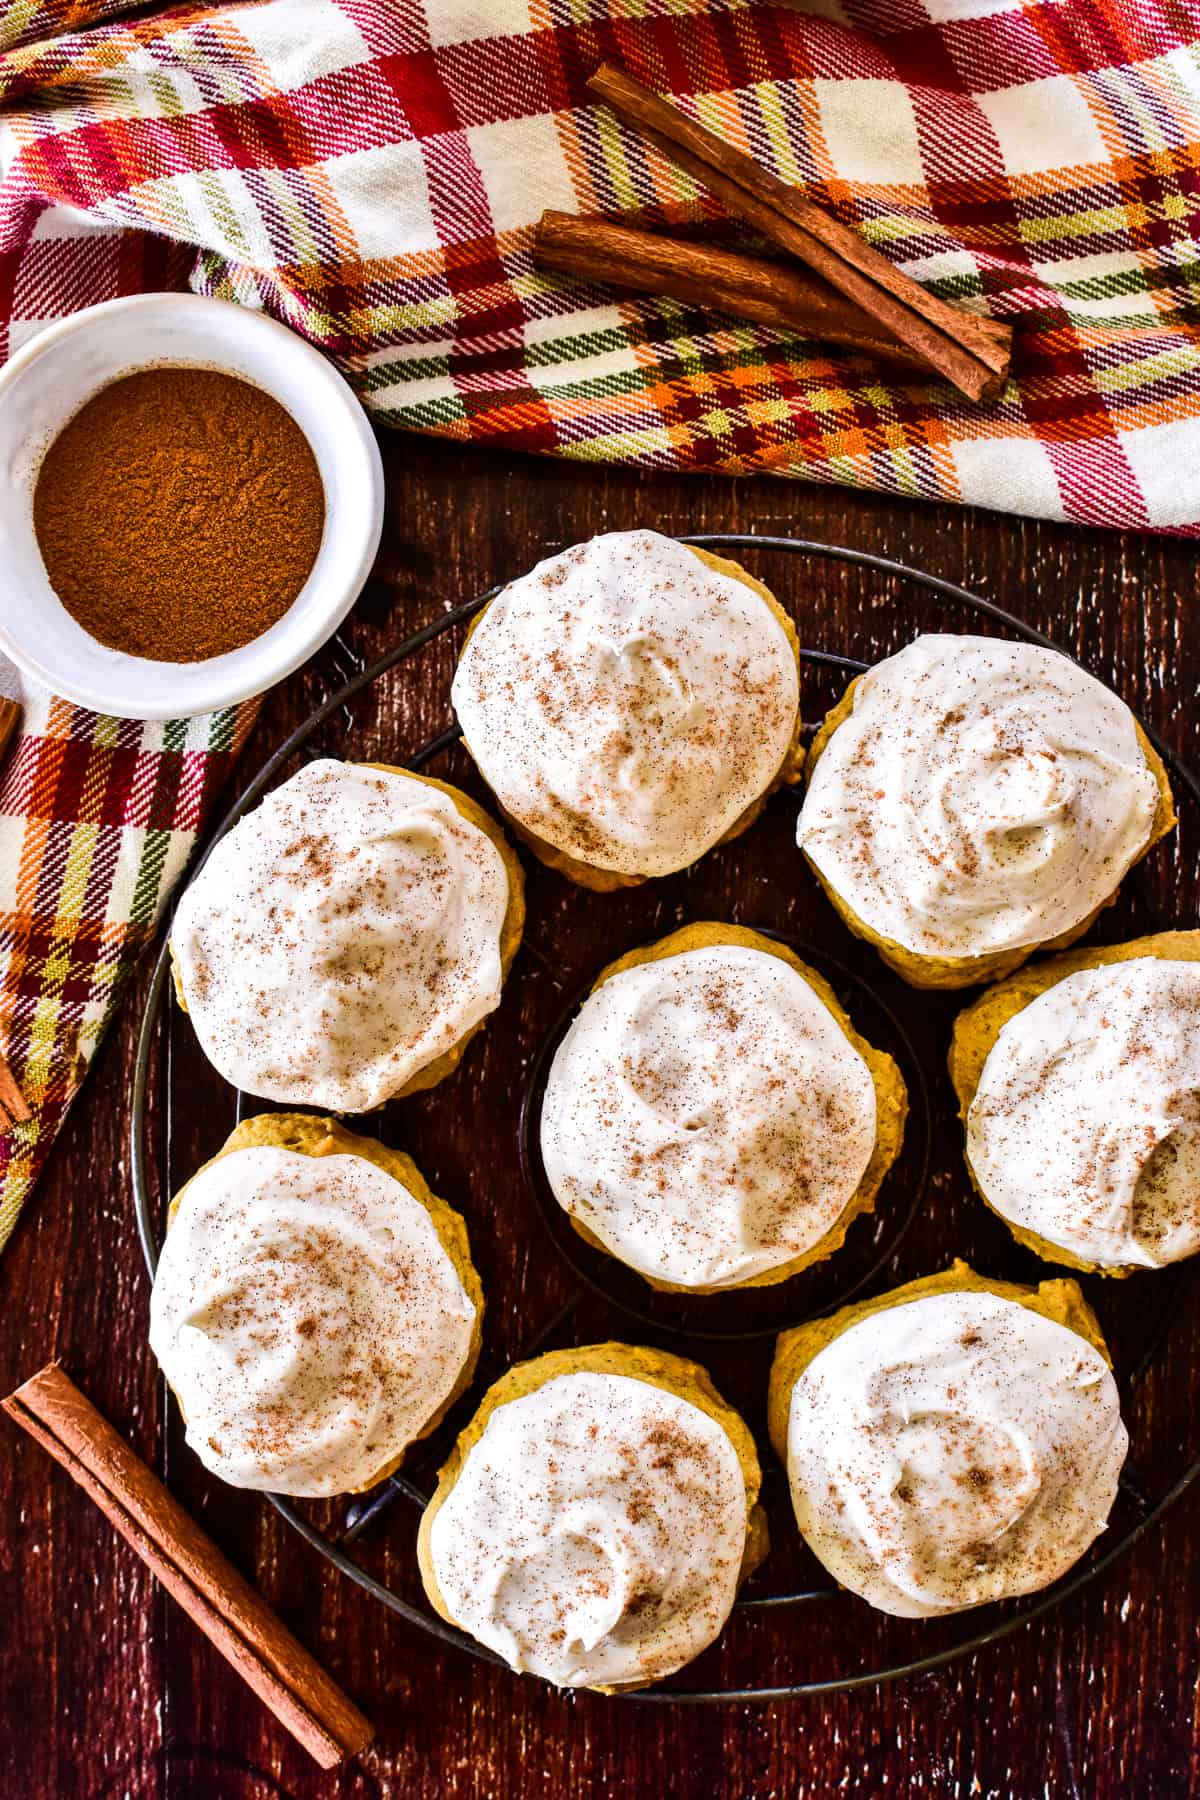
51 378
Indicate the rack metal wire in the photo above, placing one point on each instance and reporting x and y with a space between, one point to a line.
371 1512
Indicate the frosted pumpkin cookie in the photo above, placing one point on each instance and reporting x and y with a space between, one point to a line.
712 1118
630 703
346 940
954 1442
595 1517
314 1308
1078 1080
971 800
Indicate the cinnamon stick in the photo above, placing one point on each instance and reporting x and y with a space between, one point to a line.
10 718
14 1108
749 287
224 1605
971 352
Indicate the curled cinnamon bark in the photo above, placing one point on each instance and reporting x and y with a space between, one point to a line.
972 352
749 287
208 1587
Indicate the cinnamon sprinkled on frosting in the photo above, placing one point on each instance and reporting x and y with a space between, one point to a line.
595 1532
308 1317
706 1117
1085 1126
341 937
953 1450
626 703
981 796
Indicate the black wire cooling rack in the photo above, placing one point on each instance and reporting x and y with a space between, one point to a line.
617 1287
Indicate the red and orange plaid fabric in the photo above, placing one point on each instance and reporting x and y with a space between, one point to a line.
97 818
370 171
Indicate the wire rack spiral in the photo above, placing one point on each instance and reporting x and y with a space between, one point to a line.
600 1277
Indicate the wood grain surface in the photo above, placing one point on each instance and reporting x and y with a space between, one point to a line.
105 1690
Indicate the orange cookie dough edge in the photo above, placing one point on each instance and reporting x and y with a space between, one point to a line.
891 1098
967 971
1060 1300
511 929
607 881
312 1134
978 1026
657 1368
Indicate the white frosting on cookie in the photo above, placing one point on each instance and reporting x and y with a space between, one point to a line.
981 796
341 937
626 703
706 1116
953 1450
308 1318
1085 1126
595 1533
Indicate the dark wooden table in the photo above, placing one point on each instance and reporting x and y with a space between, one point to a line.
106 1690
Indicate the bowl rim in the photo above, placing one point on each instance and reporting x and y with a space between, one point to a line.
294 650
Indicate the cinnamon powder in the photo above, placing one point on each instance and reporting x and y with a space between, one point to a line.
179 513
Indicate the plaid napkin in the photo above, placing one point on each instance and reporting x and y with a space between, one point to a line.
370 170
97 818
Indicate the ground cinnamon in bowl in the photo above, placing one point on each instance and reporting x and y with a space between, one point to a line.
179 513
